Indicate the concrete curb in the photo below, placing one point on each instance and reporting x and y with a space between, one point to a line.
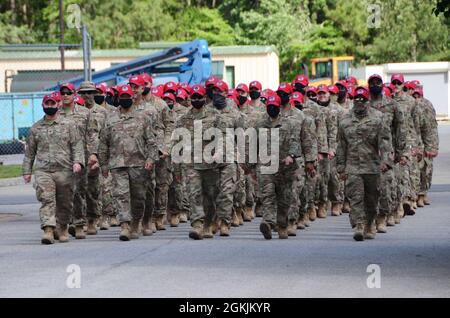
10 182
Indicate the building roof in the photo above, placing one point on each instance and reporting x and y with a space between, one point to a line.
145 48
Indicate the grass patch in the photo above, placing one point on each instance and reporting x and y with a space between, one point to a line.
10 171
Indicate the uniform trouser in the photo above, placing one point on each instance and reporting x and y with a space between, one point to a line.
178 200
129 189
227 187
249 191
322 181
202 188
276 195
239 197
79 198
93 197
404 182
426 175
163 180
149 196
362 191
387 192
297 189
108 206
334 184
54 190
414 173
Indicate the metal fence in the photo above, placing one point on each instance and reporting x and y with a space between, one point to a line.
18 112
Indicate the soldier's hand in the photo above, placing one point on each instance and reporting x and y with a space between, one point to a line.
27 178
343 176
253 174
288 160
419 156
164 155
384 168
76 168
95 166
105 173
320 157
92 160
431 154
149 166
403 161
310 169
331 155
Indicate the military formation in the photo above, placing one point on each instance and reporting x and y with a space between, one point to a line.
147 157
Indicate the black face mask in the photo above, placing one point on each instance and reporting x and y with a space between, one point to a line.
324 104
116 102
375 90
198 103
342 95
126 103
99 99
209 92
50 110
360 108
299 106
170 105
273 111
284 98
146 91
109 99
300 88
255 94
242 100
219 101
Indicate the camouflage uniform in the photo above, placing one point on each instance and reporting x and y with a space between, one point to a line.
201 177
307 130
54 147
393 117
276 188
80 116
426 172
361 140
97 118
126 143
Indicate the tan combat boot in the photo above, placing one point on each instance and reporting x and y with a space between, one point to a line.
426 200
306 219
245 216
414 204
114 221
312 213
183 217
207 231
301 222
175 220
420 202
125 234
48 237
153 226
346 207
196 233
381 224
79 232
134 229
282 233
322 213
63 233
266 230
146 227
104 223
369 231
358 235
159 222
407 208
250 212
390 219
235 220
224 229
335 209
91 228
292 229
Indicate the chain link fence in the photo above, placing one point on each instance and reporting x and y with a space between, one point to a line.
18 112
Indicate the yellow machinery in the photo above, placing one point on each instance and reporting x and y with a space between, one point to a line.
329 70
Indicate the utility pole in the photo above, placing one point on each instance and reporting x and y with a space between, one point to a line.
86 54
61 35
